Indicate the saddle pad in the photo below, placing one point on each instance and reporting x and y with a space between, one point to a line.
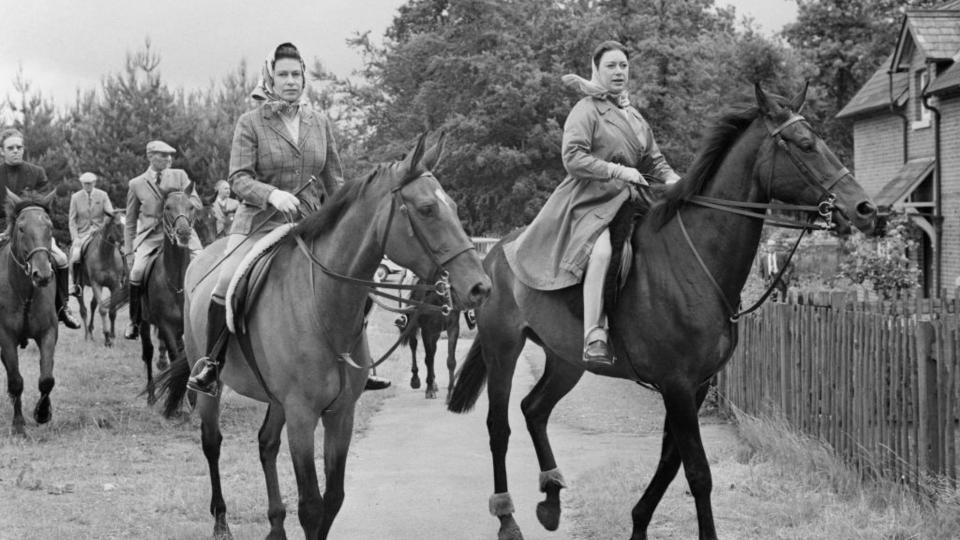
249 277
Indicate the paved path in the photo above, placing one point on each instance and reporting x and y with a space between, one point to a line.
442 476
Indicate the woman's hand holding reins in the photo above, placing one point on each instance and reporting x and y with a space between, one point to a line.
284 201
629 174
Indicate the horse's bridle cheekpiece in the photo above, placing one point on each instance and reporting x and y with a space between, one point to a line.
24 264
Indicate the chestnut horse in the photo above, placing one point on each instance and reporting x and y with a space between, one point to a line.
102 266
306 328
674 325
26 294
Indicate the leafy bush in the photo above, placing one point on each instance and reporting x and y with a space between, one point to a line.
884 264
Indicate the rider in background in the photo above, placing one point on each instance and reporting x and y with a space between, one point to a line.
90 208
277 148
607 146
143 233
224 207
28 180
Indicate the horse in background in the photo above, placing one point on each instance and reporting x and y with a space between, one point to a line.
769 263
670 329
26 294
102 266
430 325
206 225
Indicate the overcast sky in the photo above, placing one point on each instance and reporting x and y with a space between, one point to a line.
64 45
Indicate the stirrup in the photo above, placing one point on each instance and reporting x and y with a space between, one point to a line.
194 383
400 322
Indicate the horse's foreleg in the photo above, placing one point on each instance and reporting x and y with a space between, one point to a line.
430 332
301 425
11 362
112 316
682 444
558 379
87 322
269 437
211 438
499 383
47 344
415 372
453 335
338 430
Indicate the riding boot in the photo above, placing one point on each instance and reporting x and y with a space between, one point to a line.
133 331
205 375
75 290
61 298
596 350
376 383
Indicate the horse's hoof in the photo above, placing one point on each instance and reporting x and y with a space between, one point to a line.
509 530
222 532
549 515
415 382
43 412
18 429
431 393
277 535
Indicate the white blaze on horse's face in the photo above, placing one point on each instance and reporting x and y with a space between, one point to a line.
442 197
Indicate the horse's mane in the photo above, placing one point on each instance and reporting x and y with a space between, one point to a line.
325 218
716 143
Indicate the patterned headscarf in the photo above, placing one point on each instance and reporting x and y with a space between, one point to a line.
593 88
264 89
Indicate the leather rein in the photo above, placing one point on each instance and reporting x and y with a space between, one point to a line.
824 209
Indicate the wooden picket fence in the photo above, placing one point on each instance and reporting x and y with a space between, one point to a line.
877 381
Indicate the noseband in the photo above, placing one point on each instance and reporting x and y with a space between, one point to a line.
24 262
170 226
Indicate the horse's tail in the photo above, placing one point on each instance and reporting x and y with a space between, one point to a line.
408 333
471 378
121 297
172 382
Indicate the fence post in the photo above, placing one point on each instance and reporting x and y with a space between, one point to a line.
786 363
927 391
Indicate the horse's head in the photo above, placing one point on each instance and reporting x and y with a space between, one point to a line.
31 234
799 167
179 214
423 232
113 227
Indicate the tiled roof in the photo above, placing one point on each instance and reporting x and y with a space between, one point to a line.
937 32
947 82
875 94
904 182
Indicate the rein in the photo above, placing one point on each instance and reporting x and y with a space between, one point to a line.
824 209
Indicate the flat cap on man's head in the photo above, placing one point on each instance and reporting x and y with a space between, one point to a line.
160 146
88 177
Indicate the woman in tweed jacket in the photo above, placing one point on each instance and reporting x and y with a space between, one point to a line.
277 148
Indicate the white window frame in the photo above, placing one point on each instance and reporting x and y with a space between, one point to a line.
920 81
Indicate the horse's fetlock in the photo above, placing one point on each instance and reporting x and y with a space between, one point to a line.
15 387
501 504
552 479
46 385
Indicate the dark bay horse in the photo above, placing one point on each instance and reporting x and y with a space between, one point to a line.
162 303
26 294
102 266
770 263
674 325
306 325
430 325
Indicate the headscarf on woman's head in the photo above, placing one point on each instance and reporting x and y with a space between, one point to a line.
593 88
263 91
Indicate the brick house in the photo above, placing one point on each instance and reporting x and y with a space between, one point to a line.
906 131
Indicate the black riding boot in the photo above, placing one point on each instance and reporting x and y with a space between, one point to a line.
133 331
204 378
61 298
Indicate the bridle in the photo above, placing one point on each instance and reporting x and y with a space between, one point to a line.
439 282
824 209
170 226
24 263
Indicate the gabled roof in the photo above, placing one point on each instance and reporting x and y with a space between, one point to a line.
947 82
875 94
904 182
935 32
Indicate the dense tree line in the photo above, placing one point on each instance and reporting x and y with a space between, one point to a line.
488 73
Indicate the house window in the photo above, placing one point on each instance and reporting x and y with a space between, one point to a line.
921 114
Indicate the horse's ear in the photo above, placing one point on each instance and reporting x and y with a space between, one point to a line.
12 198
432 157
47 199
411 165
190 187
767 106
796 104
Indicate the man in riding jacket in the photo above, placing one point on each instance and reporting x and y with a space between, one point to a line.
143 233
28 180
90 208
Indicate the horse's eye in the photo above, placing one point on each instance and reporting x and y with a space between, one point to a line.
427 211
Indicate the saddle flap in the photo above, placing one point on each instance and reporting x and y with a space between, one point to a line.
248 280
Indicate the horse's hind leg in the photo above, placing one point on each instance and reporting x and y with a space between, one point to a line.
87 322
558 379
146 354
11 362
338 430
501 357
681 443
210 439
301 425
43 410
269 438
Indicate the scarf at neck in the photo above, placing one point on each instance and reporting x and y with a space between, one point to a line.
594 89
264 92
